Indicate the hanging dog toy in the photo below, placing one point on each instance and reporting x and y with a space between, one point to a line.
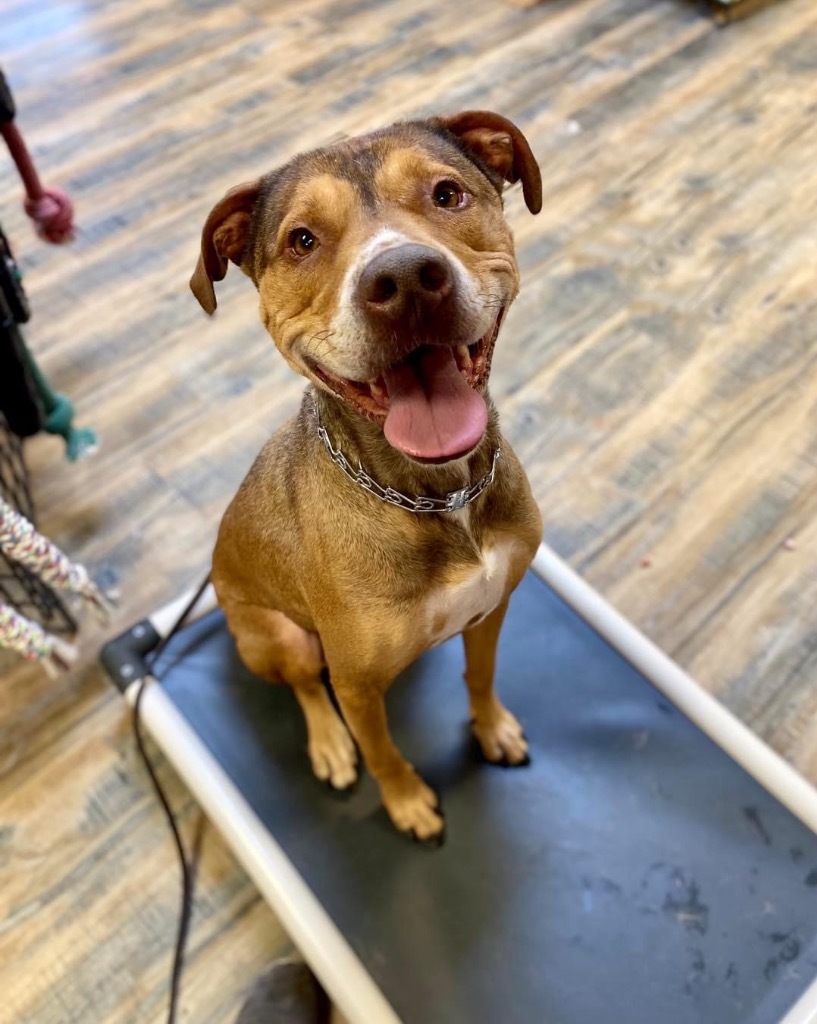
21 543
53 216
17 633
49 208
59 415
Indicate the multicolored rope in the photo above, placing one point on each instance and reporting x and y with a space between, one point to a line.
20 542
17 633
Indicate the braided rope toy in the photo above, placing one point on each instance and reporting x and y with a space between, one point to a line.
17 633
24 545
20 542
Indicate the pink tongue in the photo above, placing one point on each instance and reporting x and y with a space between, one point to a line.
433 413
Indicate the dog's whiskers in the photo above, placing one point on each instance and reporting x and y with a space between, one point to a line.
491 301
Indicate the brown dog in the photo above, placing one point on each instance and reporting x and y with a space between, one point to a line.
384 266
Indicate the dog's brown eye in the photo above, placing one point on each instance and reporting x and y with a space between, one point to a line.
448 195
302 242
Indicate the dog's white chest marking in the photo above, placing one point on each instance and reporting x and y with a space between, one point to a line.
453 608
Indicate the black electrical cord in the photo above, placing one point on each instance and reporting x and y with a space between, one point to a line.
186 863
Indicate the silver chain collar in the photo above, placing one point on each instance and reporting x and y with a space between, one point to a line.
452 502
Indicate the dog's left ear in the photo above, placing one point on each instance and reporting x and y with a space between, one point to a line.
224 237
500 145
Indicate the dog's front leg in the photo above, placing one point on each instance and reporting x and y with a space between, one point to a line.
499 733
411 804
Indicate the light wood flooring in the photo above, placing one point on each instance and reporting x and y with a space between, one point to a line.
658 377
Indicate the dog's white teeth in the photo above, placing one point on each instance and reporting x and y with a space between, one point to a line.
377 390
464 358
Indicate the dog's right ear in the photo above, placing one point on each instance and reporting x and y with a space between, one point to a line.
225 236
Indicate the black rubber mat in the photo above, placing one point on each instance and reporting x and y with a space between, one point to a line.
632 874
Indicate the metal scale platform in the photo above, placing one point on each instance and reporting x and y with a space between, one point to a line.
655 863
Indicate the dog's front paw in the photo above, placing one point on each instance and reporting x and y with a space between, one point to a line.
333 754
413 806
502 739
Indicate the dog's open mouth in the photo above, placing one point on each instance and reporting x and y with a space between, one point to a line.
429 405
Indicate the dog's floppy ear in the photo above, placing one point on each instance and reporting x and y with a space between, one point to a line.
500 145
225 235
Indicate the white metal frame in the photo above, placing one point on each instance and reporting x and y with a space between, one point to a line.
335 964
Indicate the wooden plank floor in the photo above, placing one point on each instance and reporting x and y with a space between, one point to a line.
658 376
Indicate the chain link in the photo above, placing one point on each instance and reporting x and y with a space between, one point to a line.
452 502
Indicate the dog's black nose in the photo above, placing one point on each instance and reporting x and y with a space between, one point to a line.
409 279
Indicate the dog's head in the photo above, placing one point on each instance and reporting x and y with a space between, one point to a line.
384 266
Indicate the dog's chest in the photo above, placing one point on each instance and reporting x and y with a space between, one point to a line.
457 606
